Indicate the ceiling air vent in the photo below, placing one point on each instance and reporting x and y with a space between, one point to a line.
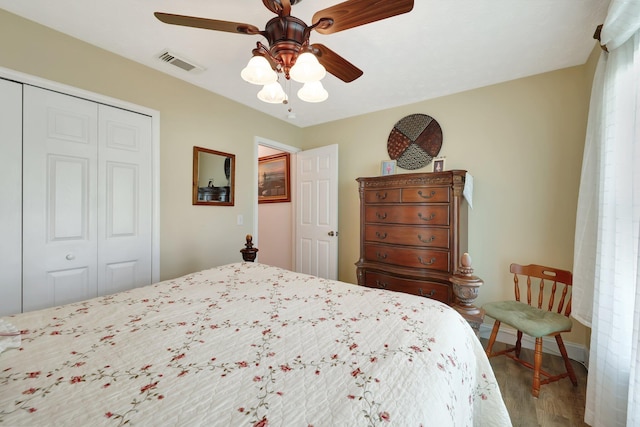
179 62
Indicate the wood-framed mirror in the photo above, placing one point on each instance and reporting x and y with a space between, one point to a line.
213 177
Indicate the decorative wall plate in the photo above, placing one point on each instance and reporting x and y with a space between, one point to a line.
414 141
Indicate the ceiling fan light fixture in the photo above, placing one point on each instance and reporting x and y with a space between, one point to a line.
289 52
272 93
313 92
307 69
258 71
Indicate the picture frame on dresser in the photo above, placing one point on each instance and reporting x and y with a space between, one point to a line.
438 164
274 184
388 167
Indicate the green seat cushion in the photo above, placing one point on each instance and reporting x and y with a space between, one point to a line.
530 320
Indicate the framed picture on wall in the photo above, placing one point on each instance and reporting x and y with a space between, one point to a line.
388 167
274 184
438 164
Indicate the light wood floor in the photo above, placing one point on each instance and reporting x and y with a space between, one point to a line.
559 403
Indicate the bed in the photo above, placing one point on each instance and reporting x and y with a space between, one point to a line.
247 344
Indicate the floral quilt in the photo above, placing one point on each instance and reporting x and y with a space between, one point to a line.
253 345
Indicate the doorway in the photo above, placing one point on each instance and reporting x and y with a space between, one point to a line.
274 224
296 237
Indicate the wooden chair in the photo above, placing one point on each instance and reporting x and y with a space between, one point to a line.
536 322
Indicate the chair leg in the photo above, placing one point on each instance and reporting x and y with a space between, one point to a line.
567 362
518 343
537 363
492 338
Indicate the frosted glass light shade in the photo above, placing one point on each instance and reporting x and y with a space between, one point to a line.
258 71
307 69
313 92
272 93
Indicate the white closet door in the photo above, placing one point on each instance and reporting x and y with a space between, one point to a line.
124 200
10 197
59 198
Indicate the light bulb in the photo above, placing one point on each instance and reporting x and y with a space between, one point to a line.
258 71
313 92
272 93
307 69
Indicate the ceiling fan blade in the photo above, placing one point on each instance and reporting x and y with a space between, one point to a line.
279 7
272 5
286 7
336 64
207 24
353 13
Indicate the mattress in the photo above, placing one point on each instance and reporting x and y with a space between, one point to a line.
248 344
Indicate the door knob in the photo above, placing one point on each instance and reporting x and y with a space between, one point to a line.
331 233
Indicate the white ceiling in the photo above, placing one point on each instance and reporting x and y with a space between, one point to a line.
439 48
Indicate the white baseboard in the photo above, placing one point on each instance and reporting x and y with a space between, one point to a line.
507 335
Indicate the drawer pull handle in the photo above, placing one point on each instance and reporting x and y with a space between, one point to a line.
428 196
433 215
431 261
381 256
429 240
381 216
381 196
380 235
381 285
431 293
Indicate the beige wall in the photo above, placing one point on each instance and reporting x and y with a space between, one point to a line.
521 140
192 237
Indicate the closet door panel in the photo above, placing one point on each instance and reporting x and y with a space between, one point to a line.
10 197
67 285
125 200
59 199
68 204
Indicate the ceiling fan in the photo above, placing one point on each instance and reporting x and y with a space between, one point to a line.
288 36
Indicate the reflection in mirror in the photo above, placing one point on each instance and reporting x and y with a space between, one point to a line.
213 177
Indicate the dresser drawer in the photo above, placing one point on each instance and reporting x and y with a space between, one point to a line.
408 257
422 215
382 196
426 195
434 237
434 290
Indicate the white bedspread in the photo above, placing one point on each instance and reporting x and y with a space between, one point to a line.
247 344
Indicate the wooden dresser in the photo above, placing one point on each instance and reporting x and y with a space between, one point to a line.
413 229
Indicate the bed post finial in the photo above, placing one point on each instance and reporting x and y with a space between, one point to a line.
465 288
249 252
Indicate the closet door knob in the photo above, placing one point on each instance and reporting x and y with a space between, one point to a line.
70 257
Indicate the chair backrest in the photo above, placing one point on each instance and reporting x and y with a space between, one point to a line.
542 275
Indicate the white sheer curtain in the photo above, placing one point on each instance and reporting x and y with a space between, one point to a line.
606 293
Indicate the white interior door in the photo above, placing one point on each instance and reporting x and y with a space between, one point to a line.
317 212
124 200
59 198
10 197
